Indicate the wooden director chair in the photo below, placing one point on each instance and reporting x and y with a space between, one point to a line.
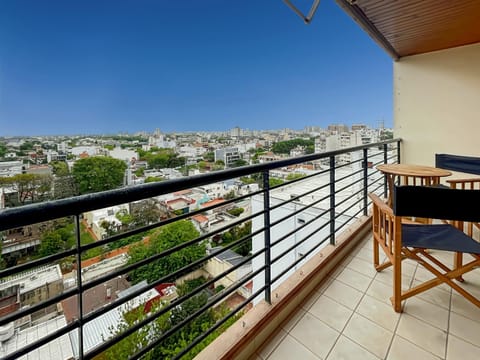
400 238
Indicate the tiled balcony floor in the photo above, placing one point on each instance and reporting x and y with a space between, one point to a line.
350 317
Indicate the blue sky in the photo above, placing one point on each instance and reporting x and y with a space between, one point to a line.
103 67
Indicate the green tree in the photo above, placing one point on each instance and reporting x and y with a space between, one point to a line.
59 168
284 147
166 237
209 156
274 182
3 149
230 195
150 179
51 243
139 339
98 173
236 211
29 187
239 162
294 176
139 172
64 186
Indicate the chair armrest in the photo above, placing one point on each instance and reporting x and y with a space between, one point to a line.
382 206
459 181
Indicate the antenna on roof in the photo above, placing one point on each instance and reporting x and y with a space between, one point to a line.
306 19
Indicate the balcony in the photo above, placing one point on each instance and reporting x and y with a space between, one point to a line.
300 230
349 316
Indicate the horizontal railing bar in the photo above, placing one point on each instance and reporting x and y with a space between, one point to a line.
5 319
219 323
49 210
282 254
285 236
292 214
34 213
208 332
40 342
296 262
297 197
107 344
133 294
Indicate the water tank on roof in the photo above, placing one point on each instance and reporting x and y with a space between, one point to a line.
6 331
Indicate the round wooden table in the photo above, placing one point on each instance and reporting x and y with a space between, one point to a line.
410 174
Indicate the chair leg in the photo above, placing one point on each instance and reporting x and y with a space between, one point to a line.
457 263
376 256
397 282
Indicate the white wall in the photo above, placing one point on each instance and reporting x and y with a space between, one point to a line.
436 104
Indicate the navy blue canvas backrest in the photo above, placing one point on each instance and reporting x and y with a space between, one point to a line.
466 164
437 203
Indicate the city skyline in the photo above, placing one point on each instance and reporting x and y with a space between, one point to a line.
99 68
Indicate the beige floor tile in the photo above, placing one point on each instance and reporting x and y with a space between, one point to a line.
307 304
292 321
290 349
380 291
272 343
472 282
379 312
402 349
423 310
462 306
365 254
315 335
423 274
344 294
331 312
362 266
369 335
465 328
386 276
354 279
346 349
337 270
458 349
437 296
422 334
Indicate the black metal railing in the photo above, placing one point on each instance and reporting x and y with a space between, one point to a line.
290 221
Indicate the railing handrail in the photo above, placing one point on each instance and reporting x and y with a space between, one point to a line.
53 209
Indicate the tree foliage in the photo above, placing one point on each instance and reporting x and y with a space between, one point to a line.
165 238
29 187
294 176
284 147
3 149
60 168
209 156
162 158
98 173
51 243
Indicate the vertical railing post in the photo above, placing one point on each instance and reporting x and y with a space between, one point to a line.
266 220
365 181
385 160
79 287
332 200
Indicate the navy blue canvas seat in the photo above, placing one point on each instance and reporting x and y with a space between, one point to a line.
400 239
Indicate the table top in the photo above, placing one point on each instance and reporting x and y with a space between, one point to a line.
412 170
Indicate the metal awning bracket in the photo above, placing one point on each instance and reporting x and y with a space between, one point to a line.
306 19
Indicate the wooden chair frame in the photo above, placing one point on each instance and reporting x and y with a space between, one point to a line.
387 225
